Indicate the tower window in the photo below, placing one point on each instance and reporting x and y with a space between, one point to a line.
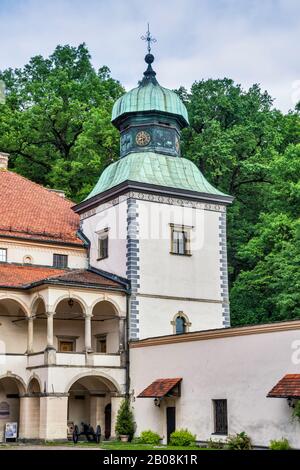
103 244
180 325
220 417
180 240
3 255
60 261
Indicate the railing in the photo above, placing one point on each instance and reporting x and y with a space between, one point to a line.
19 362
90 359
36 359
14 363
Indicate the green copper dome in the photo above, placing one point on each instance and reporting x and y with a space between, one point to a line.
150 119
162 170
150 96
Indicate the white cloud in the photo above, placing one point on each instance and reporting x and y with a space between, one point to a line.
250 41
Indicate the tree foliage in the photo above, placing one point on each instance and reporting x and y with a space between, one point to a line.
125 421
55 123
251 151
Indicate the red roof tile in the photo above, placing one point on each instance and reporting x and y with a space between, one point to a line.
23 276
288 386
160 388
29 210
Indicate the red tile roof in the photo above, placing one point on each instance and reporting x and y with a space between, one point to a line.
29 210
160 388
24 276
288 386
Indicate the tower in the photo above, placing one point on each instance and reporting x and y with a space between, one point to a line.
154 219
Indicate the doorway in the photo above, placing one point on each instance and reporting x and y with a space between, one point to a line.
107 413
171 421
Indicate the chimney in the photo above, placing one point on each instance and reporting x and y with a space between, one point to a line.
59 192
4 160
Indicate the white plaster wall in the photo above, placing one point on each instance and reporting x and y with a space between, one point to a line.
79 410
60 379
157 314
115 219
110 328
43 254
241 369
13 407
13 335
166 274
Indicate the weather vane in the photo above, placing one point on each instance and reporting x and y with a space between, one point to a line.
149 39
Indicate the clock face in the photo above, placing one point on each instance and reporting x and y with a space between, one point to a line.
142 138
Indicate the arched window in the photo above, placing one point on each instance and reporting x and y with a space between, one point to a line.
180 325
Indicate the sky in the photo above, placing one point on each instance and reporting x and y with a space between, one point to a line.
250 41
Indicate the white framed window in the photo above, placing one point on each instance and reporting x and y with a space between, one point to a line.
60 261
220 417
180 323
103 244
180 240
66 343
3 255
101 344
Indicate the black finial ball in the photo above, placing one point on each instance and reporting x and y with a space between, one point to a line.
149 58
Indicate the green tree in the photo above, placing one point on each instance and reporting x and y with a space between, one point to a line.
268 287
248 149
55 122
125 422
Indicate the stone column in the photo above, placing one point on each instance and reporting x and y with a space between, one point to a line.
50 339
29 335
88 333
53 417
29 422
50 351
97 405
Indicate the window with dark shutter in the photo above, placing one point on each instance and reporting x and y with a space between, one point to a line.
103 246
60 261
180 325
3 255
180 240
220 416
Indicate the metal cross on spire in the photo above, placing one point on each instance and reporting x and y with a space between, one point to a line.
149 39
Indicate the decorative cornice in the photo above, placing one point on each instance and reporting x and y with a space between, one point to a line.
126 186
143 196
180 298
43 243
219 333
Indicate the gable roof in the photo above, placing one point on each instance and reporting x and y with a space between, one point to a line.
28 210
160 388
287 387
26 277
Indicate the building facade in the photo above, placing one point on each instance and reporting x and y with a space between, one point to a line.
143 256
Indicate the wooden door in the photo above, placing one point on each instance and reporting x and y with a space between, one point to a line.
171 421
107 412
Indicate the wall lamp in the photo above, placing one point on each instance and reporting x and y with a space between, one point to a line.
291 402
157 401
